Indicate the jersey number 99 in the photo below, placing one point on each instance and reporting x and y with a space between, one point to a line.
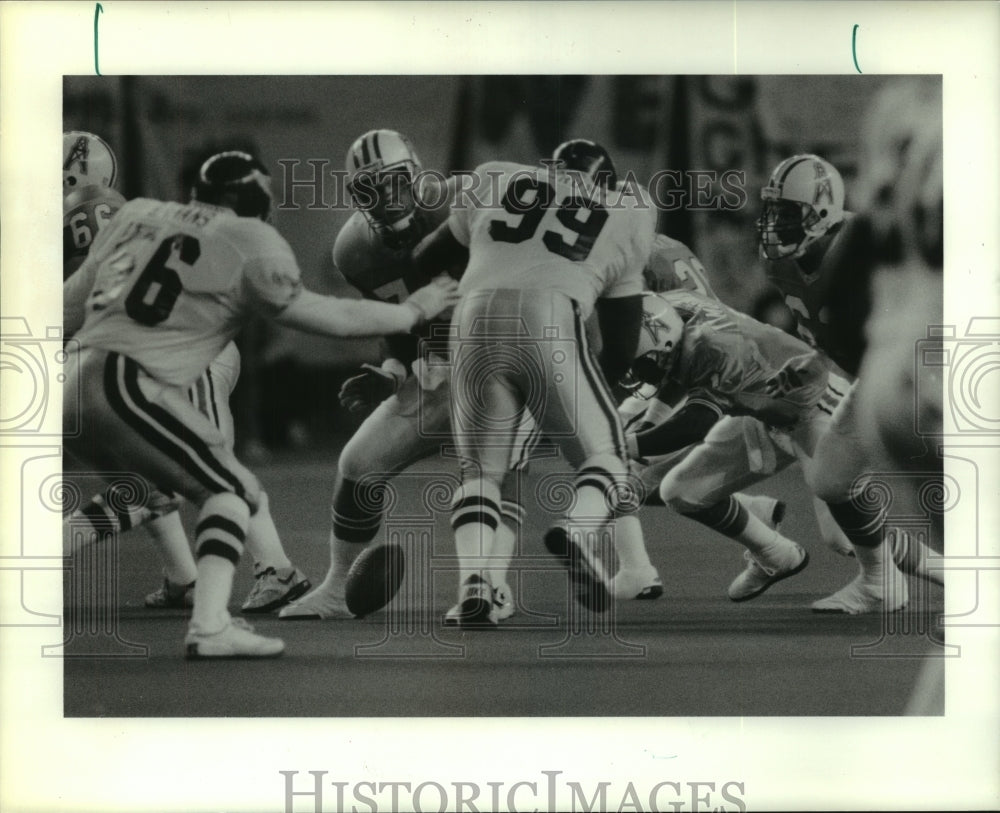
531 214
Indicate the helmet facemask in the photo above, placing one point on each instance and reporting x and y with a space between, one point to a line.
803 200
382 170
787 228
387 199
659 345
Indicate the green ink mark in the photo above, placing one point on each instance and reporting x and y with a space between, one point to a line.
97 15
854 46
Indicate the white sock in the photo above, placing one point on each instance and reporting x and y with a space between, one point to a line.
874 564
504 542
629 543
759 538
171 543
212 592
263 541
342 556
474 519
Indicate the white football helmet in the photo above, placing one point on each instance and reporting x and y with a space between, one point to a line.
87 159
659 343
803 200
382 168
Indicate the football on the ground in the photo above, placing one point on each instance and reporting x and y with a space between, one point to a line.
374 579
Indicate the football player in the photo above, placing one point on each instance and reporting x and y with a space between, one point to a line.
90 171
729 364
89 174
902 197
170 285
558 243
673 266
805 234
397 205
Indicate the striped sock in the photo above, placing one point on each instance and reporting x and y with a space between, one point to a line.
219 540
475 518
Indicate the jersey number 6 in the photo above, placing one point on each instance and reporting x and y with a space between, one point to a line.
533 211
155 292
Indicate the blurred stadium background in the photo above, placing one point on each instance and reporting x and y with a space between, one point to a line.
162 127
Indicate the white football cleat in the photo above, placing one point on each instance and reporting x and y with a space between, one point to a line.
759 575
274 588
644 584
322 604
503 602
863 596
475 608
235 640
915 558
503 607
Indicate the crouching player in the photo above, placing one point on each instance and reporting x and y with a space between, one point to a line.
728 363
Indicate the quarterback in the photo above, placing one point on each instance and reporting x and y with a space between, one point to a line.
90 201
170 285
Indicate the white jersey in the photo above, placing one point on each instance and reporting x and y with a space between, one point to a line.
170 284
536 228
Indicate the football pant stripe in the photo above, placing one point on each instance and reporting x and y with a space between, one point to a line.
211 398
597 385
524 457
163 430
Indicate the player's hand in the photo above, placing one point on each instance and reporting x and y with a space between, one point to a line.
435 297
368 389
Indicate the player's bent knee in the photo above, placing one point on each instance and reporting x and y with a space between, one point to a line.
675 497
356 509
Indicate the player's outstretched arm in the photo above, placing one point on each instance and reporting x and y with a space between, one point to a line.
688 425
333 316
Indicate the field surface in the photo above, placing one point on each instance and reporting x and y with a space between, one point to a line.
690 653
